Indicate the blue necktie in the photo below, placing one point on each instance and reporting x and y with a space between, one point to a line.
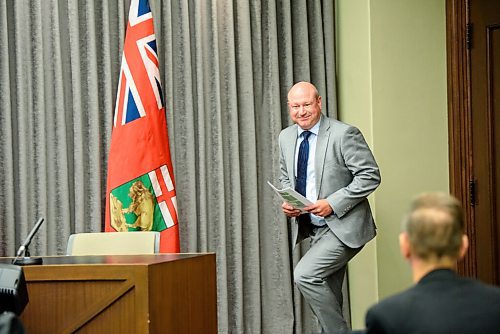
301 181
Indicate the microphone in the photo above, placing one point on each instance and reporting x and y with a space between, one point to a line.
27 260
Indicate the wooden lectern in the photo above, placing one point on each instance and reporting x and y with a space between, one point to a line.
162 293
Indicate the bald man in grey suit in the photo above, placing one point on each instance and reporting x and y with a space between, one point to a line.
341 172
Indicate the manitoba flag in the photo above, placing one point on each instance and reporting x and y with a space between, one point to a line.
140 193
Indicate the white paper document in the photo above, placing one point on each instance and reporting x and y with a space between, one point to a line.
292 197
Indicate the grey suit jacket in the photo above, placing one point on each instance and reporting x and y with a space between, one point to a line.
346 173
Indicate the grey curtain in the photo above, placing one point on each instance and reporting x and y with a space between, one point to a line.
226 67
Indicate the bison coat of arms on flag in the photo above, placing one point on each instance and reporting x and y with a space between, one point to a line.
142 204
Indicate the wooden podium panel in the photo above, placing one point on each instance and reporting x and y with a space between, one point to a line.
163 293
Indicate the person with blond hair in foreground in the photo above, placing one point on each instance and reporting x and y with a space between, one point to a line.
432 241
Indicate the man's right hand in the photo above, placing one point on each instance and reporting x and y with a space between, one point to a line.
289 210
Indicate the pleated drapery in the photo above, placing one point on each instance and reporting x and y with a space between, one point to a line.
226 68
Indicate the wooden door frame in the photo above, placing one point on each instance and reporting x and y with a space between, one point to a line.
459 121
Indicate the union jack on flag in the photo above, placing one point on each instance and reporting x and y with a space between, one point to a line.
140 51
140 192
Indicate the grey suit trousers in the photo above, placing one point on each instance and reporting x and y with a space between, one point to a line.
319 276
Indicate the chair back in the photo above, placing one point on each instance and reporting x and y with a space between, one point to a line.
114 243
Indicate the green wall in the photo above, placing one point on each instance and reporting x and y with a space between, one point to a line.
392 85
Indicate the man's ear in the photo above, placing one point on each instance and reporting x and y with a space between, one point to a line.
463 246
404 245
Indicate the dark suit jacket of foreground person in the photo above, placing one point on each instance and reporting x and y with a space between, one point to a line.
440 303
346 174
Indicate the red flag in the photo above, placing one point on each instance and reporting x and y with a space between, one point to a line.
140 193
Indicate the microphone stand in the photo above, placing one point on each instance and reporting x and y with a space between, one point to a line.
27 260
